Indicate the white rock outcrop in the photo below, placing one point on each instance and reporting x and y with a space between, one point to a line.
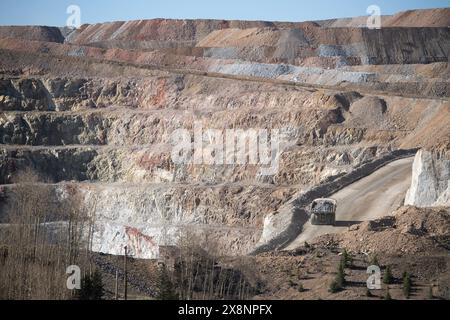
430 184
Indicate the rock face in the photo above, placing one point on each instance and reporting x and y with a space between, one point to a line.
97 110
430 184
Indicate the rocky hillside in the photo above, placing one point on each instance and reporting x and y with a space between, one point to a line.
97 110
430 182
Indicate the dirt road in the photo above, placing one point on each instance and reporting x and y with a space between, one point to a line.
372 197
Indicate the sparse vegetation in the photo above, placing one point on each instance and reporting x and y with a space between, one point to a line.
91 287
347 259
340 277
387 277
34 256
387 296
96 110
200 273
339 281
165 287
407 284
430 293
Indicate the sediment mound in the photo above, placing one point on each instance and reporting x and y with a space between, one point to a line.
420 18
410 230
32 33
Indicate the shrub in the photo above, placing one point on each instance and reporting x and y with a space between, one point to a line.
388 295
340 277
165 286
91 287
347 259
407 284
388 278
334 287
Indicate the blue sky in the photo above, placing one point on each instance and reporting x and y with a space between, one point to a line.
53 12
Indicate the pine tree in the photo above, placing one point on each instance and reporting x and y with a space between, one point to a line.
388 295
91 287
97 286
430 292
86 288
339 280
340 277
388 278
166 290
347 258
407 284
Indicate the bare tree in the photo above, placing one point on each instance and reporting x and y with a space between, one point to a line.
201 272
43 236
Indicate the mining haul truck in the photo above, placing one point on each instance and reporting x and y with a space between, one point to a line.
323 212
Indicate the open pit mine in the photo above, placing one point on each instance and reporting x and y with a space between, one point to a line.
362 116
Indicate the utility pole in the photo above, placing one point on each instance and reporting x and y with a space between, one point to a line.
117 285
125 288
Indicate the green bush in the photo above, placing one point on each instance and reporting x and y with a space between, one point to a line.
407 284
347 259
165 286
339 281
334 287
340 277
388 278
91 287
430 293
388 295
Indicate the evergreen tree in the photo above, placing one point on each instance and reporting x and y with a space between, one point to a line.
91 287
388 278
166 290
407 284
388 295
339 280
86 288
97 286
340 277
430 293
347 258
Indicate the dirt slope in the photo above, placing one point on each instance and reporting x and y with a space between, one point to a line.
32 33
